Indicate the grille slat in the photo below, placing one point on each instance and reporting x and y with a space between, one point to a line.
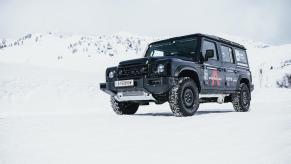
132 71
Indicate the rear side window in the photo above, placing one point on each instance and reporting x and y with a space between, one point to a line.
241 56
207 45
227 55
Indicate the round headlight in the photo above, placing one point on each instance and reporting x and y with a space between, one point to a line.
111 74
160 68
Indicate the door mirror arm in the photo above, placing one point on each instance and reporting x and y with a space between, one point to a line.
201 58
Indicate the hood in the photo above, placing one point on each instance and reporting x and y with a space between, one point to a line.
145 60
139 61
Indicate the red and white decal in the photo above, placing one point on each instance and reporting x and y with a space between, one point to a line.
215 79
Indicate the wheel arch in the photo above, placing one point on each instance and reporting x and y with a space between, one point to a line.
243 79
189 72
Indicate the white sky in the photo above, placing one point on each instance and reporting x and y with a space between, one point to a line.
264 20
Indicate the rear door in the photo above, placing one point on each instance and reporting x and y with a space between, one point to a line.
213 74
229 67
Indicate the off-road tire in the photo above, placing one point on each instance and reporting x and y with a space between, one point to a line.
124 108
178 98
241 99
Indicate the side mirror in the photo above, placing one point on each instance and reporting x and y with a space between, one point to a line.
209 54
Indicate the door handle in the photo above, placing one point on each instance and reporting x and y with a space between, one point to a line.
221 69
235 71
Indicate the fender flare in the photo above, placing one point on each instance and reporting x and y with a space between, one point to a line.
189 68
184 68
239 81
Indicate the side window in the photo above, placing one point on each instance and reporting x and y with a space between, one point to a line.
227 55
209 46
241 56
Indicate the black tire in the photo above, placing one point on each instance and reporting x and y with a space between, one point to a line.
184 98
242 98
124 108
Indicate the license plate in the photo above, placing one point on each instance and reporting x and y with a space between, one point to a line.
123 83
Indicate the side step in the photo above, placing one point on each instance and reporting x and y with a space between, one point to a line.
219 98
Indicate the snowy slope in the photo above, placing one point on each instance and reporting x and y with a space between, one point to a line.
275 63
82 53
85 53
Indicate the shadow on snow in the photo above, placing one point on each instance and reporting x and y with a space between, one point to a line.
166 114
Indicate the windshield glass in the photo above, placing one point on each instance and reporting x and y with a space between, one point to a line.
184 48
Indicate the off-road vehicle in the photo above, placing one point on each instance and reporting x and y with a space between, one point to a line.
183 71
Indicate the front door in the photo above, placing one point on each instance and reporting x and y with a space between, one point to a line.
213 79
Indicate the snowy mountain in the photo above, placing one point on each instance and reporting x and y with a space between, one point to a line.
95 53
82 53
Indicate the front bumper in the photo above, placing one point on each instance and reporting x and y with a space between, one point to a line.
143 88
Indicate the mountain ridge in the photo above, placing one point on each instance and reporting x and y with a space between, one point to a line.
94 53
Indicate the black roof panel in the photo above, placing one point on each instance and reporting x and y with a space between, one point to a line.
225 41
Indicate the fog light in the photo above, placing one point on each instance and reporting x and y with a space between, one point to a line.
111 74
160 68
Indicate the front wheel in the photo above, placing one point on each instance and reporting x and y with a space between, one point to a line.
124 108
242 98
184 98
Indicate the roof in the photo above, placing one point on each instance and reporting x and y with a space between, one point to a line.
225 41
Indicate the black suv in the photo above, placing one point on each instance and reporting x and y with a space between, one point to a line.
183 71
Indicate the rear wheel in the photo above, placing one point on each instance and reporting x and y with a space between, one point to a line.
184 98
242 98
124 108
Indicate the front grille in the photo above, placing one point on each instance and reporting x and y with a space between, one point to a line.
132 71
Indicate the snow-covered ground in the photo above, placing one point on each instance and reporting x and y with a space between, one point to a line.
57 116
52 111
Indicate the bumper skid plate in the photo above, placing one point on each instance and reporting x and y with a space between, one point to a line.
134 96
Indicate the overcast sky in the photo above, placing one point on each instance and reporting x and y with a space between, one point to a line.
264 20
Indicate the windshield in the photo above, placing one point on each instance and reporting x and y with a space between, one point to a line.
184 48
